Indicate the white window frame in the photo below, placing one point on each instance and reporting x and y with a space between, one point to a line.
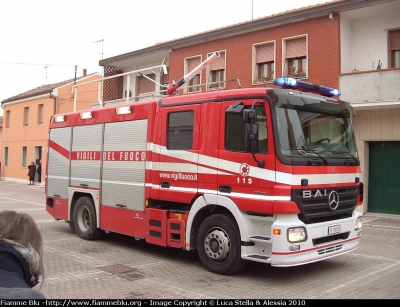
255 81
285 64
208 70
186 71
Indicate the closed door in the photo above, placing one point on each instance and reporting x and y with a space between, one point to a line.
384 177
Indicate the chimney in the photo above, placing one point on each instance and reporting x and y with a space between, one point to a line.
84 72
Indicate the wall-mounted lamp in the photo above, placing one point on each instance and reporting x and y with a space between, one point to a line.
171 50
331 17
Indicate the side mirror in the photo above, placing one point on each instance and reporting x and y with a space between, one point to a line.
251 143
250 115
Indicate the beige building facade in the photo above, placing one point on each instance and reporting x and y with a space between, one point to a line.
26 120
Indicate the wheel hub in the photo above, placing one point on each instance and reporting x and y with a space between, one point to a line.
217 245
83 218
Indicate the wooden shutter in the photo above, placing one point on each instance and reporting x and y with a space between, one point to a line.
218 63
26 116
265 53
296 48
193 63
394 37
145 85
40 114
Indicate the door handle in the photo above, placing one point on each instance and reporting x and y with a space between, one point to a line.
225 188
165 184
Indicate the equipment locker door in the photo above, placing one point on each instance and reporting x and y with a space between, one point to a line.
57 180
124 164
85 161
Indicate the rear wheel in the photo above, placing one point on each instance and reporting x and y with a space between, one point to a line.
85 221
218 245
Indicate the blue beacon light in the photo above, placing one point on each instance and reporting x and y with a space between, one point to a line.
299 84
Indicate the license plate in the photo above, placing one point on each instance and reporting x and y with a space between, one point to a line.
333 229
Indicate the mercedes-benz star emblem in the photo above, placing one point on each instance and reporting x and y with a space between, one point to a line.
333 200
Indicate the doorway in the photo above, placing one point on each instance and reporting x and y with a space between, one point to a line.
384 179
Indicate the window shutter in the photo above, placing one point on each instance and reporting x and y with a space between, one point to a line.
193 63
219 63
265 53
40 114
296 48
394 37
145 85
26 119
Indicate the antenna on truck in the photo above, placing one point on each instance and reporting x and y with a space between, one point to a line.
175 86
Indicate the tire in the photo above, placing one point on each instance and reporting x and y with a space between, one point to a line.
218 245
85 221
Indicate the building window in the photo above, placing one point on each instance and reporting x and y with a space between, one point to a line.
26 116
217 76
265 71
24 155
394 38
180 130
264 62
295 54
8 114
193 84
40 114
5 156
297 67
216 73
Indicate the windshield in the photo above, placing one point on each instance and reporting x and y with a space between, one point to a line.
312 130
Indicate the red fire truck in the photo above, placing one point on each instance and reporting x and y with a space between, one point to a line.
250 174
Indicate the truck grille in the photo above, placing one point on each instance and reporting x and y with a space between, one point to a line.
314 208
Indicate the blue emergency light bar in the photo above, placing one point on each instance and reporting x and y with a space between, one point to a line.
299 84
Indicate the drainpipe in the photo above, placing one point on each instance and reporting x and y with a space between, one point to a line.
55 102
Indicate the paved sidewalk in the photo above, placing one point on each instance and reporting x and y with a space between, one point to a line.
389 221
120 267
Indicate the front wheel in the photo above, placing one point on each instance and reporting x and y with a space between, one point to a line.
218 245
85 221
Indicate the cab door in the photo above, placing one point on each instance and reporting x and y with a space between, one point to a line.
178 153
241 176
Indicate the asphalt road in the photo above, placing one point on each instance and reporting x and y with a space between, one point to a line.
119 267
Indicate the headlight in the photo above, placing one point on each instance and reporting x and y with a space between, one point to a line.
297 234
358 225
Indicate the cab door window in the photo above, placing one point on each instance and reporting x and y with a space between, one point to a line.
180 130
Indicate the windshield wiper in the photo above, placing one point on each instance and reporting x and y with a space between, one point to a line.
345 152
316 153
